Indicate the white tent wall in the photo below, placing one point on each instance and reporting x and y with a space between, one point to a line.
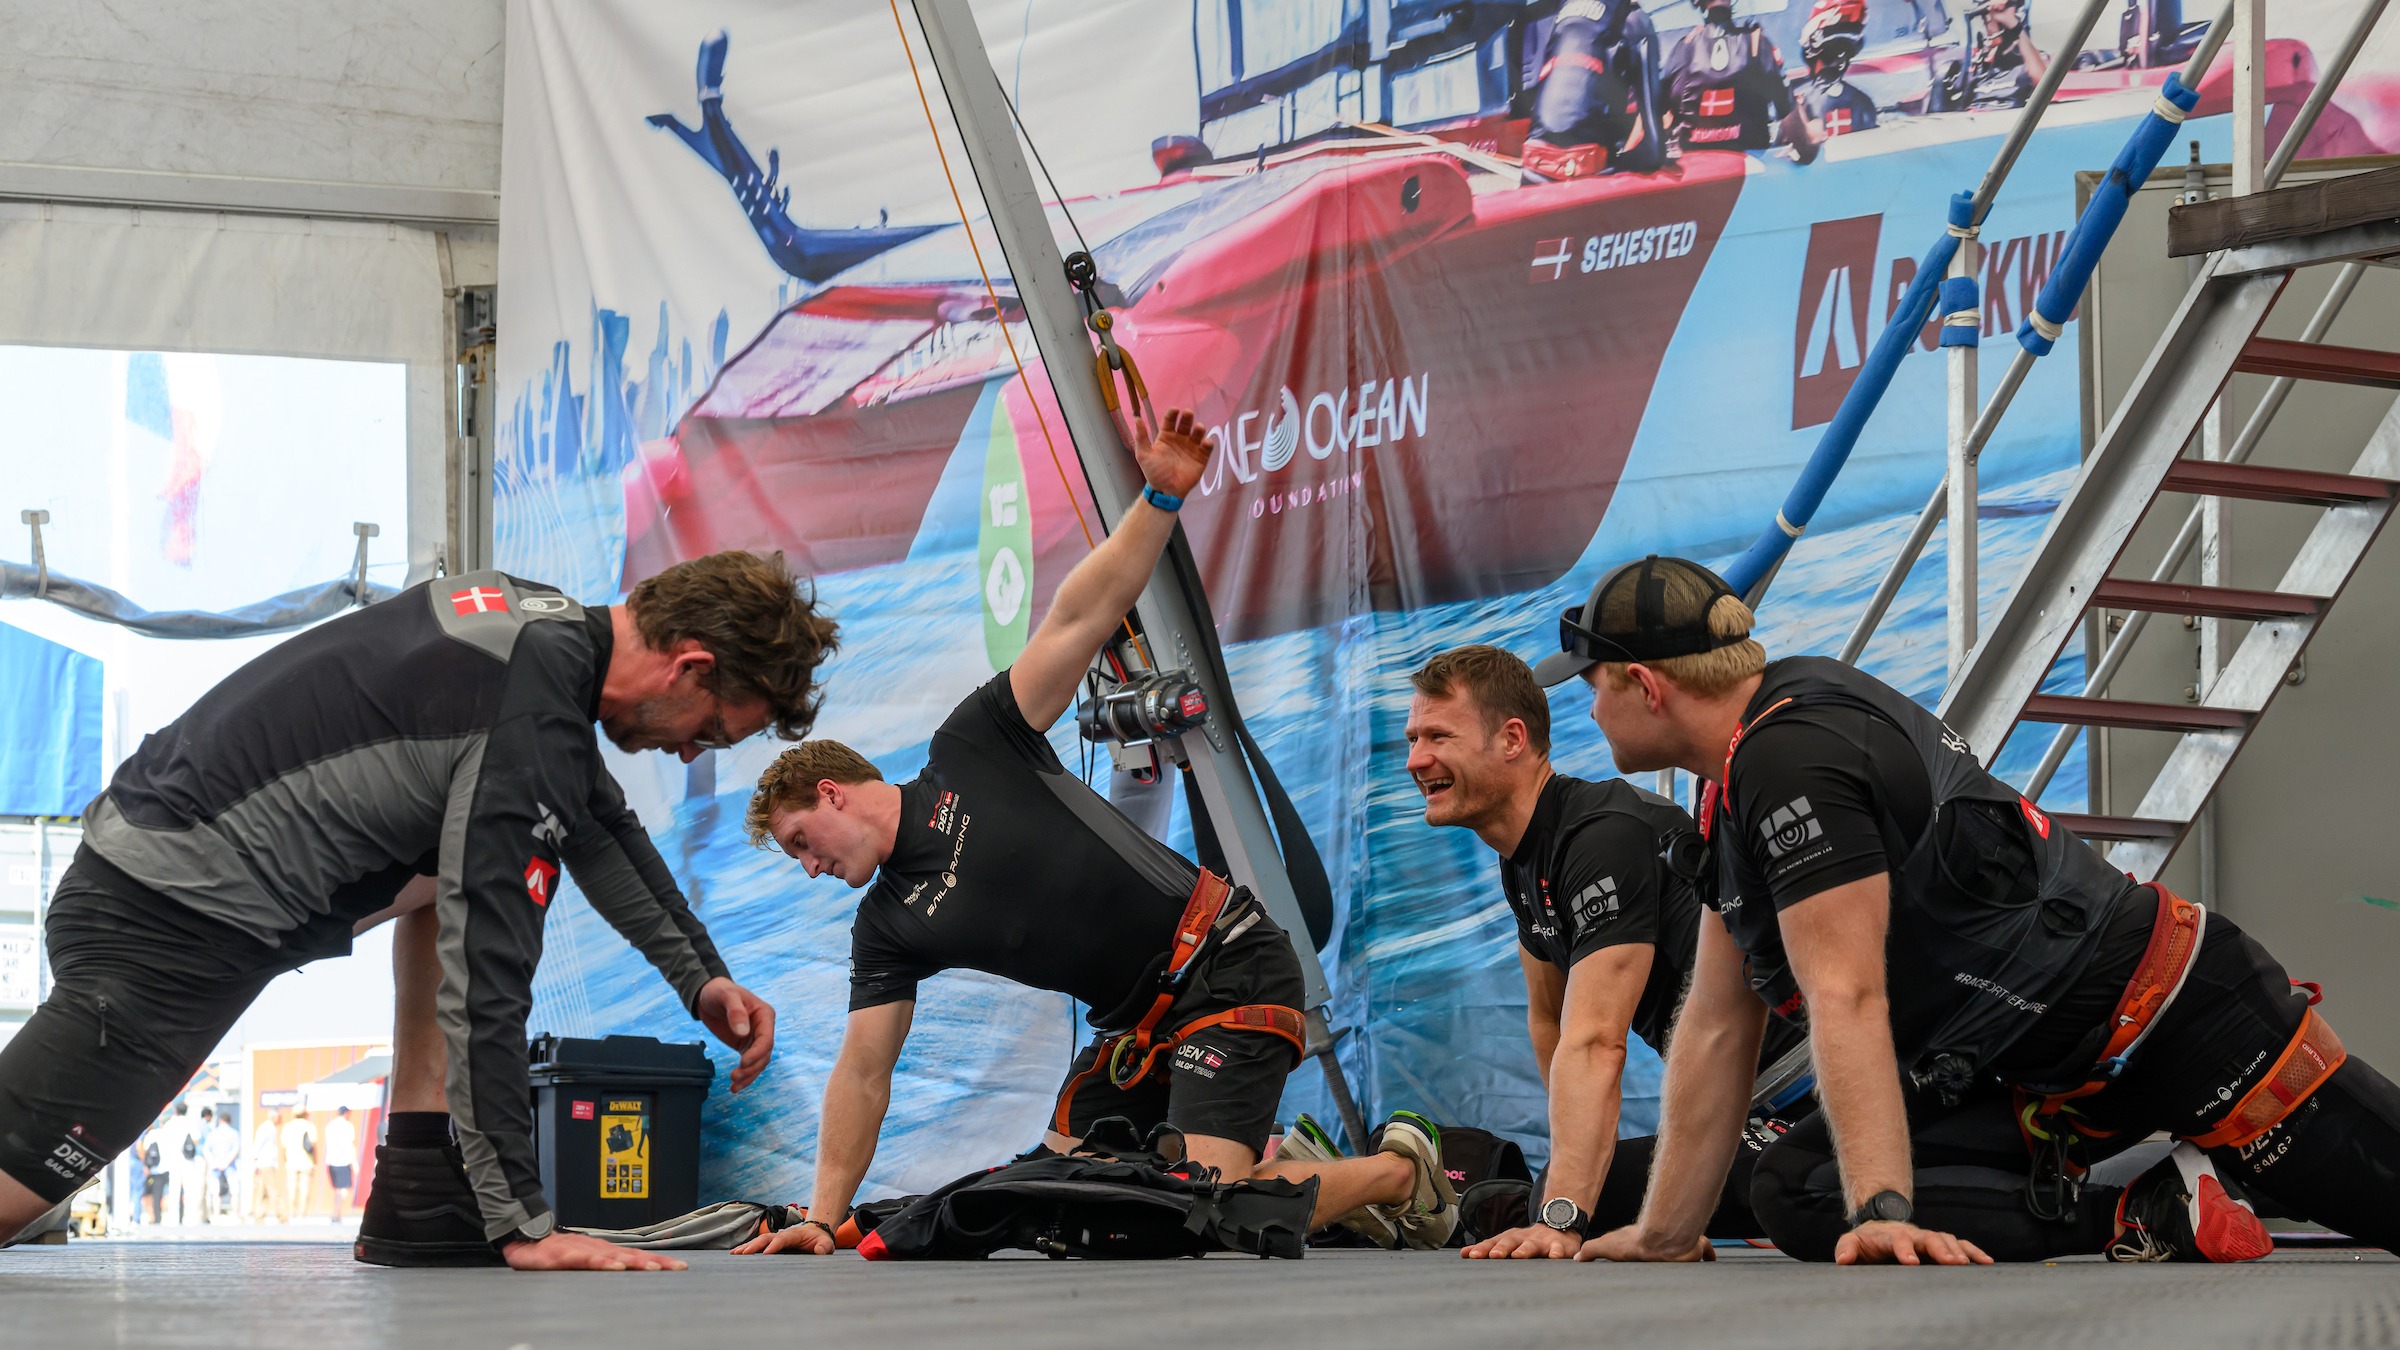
295 179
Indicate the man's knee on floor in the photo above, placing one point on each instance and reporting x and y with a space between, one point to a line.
1796 1196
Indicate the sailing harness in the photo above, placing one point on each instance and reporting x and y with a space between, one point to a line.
2048 1118
1217 913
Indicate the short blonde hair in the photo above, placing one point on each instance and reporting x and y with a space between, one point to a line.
1706 674
792 781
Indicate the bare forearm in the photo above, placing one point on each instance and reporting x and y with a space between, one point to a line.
1705 1101
1858 1077
1586 1093
1106 584
851 1118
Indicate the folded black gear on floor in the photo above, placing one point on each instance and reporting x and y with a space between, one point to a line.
1113 1199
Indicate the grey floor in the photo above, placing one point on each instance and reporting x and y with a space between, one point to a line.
275 1294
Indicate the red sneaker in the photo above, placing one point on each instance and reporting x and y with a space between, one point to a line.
2181 1210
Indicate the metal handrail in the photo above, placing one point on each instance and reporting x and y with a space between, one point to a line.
1750 574
1936 506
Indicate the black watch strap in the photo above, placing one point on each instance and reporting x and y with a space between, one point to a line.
1883 1207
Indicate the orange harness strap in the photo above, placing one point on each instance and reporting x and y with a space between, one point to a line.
2157 978
2311 1058
1272 1019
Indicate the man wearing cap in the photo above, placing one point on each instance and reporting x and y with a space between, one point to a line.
1599 876
1991 1007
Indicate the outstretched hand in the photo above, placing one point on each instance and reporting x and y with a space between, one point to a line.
1631 1244
741 1020
575 1251
1532 1242
1905 1244
1173 456
802 1239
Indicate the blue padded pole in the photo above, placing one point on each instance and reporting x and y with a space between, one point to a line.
2100 218
1749 574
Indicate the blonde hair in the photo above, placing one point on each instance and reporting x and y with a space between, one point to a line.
1706 674
792 781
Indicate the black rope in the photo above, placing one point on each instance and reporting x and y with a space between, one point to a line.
1036 147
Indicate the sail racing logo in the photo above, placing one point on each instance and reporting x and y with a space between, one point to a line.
1830 336
1261 442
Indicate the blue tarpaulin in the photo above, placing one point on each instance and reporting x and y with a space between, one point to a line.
49 726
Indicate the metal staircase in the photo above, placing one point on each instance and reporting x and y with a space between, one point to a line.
2140 459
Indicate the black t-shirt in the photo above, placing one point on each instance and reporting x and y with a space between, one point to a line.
1823 795
1587 877
1006 863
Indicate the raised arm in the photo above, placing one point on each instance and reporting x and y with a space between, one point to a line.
857 1094
1096 594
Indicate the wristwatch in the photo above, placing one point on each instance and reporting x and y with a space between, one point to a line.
1883 1207
1562 1214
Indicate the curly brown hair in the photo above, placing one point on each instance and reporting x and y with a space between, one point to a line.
755 618
792 781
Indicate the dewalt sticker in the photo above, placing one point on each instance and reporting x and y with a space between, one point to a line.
625 1150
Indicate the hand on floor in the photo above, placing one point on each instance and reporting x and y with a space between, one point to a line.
574 1251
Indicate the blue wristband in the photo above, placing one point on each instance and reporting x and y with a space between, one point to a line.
1161 500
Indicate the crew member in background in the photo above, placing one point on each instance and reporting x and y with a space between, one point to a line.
341 1161
1725 88
444 733
1606 928
1832 105
266 1171
1595 104
1991 1006
180 1142
223 1149
2004 65
997 859
299 1163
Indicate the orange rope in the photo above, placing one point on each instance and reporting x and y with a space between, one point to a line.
988 290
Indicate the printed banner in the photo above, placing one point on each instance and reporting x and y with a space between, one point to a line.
1476 301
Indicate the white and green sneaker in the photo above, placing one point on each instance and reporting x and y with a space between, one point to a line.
1431 1214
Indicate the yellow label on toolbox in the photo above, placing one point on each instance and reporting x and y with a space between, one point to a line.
625 1150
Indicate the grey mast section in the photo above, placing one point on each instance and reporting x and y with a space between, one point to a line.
1056 318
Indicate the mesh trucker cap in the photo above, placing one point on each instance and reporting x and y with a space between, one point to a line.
1627 619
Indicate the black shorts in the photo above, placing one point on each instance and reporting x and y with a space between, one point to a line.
337 1177
1223 1083
143 990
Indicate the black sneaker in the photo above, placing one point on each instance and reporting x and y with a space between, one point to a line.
2180 1210
421 1212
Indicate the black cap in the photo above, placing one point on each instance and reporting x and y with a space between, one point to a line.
1652 635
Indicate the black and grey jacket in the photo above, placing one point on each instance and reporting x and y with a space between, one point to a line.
445 731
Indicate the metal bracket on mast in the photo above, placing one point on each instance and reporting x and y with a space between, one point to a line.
1055 316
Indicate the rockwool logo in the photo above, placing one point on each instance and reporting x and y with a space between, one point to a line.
1787 829
1829 330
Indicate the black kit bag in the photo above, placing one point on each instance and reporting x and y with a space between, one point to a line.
1112 1199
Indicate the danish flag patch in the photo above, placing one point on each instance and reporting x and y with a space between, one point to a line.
541 879
479 600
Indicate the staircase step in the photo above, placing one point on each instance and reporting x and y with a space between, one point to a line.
2207 602
2320 361
2075 710
2118 827
2258 482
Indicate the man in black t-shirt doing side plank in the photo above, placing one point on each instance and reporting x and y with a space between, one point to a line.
997 859
1606 930
1992 1008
